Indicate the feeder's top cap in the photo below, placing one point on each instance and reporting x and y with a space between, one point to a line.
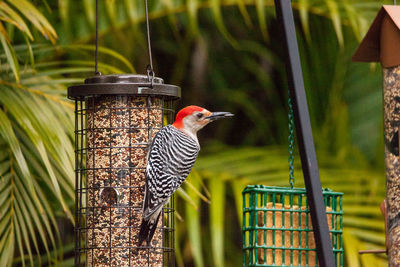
382 41
124 84
122 78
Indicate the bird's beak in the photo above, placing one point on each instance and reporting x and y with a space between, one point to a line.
219 115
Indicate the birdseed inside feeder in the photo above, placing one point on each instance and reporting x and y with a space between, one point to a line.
116 117
277 228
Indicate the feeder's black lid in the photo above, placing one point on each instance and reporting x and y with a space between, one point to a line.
123 84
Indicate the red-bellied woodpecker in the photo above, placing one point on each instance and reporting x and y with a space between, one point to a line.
171 157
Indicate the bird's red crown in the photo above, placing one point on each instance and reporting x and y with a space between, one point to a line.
183 113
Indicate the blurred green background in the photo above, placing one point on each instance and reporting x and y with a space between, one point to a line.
226 55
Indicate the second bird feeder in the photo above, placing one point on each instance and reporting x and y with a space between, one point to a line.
116 117
277 228
382 44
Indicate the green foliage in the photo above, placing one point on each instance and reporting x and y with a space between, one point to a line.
37 169
16 13
227 55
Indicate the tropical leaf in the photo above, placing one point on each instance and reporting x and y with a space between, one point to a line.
11 14
10 54
193 223
33 15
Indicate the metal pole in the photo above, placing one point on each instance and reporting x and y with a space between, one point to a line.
304 134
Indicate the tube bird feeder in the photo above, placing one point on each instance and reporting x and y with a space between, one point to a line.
116 117
382 44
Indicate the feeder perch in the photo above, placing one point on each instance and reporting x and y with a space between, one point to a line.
277 228
116 117
382 44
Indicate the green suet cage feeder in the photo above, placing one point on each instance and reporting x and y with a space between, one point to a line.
277 228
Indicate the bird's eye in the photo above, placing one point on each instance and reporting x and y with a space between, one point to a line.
199 115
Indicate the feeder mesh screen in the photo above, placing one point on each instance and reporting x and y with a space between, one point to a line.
112 136
277 228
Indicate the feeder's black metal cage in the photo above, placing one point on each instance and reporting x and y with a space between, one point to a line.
116 117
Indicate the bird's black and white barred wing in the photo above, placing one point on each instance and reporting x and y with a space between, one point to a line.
170 160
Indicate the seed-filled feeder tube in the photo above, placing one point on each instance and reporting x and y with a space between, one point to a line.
382 44
116 117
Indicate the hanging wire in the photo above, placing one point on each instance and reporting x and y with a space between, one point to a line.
96 71
291 141
149 69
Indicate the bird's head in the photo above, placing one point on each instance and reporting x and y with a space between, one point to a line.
192 118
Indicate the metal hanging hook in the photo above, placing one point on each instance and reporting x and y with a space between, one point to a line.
149 68
96 71
150 74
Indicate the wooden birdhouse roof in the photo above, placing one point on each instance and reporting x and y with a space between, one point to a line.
382 41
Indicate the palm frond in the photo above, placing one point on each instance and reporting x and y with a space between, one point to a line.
16 13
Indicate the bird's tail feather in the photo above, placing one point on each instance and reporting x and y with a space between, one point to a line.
148 228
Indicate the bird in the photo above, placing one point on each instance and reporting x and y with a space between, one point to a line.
170 159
